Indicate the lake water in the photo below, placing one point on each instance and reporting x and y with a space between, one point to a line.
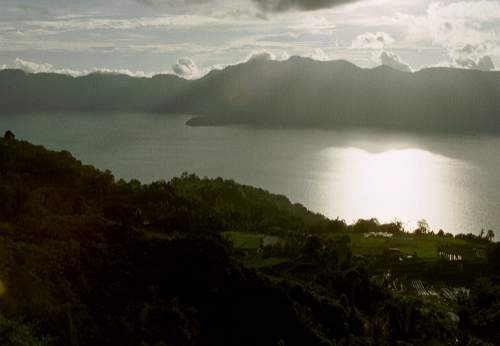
451 181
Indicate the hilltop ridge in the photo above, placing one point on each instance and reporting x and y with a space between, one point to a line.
299 92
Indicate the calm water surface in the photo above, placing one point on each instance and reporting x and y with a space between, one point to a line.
451 181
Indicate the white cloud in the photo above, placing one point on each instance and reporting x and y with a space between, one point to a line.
103 70
265 55
452 24
370 40
455 24
468 31
225 31
474 57
32 67
185 67
179 21
35 67
394 61
260 55
484 63
314 24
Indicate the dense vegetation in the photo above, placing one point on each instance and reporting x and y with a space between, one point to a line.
298 92
88 260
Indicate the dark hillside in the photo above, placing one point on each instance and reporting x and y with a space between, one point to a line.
299 92
87 260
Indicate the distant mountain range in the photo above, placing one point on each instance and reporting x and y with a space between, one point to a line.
299 92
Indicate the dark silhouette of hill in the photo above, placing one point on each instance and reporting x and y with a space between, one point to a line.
303 92
299 92
22 92
86 259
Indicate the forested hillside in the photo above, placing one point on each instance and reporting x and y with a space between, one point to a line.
89 260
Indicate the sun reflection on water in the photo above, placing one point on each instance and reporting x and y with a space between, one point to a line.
408 184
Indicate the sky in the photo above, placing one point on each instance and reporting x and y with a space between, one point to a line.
192 37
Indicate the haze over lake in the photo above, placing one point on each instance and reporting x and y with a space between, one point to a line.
451 181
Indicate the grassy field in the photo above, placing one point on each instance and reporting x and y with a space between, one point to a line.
244 241
251 242
425 245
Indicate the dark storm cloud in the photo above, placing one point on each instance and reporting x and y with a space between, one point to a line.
301 5
173 3
267 6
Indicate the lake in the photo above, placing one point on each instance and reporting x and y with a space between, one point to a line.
451 181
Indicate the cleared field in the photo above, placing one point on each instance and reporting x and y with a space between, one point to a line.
251 242
244 241
424 245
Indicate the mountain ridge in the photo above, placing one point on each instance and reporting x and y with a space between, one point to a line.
299 92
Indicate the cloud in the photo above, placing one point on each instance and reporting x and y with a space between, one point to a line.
394 61
453 23
370 40
262 55
185 67
473 56
484 63
70 24
173 3
459 27
267 6
467 31
102 70
299 5
183 6
32 67
35 67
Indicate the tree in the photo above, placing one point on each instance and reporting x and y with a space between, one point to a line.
422 227
9 136
312 247
490 235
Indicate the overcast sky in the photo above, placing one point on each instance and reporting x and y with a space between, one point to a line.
190 37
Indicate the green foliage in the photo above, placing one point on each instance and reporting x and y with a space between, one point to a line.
411 319
13 333
480 312
87 260
425 246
